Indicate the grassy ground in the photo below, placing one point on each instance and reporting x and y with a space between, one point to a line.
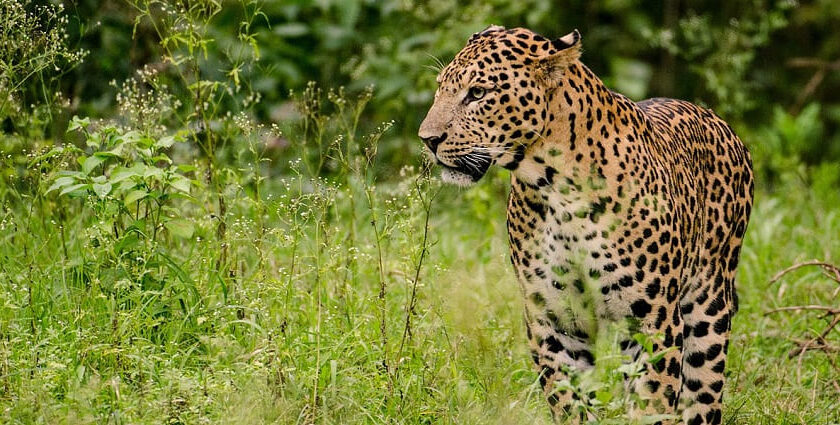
305 320
156 268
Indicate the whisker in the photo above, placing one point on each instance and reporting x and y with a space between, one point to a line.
438 66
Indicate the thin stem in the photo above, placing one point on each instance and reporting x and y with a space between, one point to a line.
427 207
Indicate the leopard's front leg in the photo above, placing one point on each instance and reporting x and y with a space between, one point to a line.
555 353
656 311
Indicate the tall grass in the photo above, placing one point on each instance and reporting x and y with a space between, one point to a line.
174 265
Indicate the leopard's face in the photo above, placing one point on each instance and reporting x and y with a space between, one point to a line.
491 102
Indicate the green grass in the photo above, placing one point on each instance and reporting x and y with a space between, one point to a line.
291 331
172 264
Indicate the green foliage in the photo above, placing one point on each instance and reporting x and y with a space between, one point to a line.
214 238
129 176
792 142
33 57
723 56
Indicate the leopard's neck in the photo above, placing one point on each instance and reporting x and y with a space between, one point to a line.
586 125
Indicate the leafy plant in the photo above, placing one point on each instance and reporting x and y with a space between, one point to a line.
129 178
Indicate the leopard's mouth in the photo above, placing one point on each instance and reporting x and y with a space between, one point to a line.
466 171
454 176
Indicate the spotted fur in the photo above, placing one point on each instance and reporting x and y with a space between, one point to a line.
618 210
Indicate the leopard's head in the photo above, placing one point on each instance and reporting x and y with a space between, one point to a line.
491 102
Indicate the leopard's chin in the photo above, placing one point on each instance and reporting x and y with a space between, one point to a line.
457 178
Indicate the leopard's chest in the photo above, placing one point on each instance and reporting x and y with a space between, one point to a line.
564 252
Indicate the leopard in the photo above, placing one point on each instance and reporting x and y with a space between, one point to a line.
618 212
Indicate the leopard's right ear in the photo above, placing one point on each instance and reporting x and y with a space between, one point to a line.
568 41
486 31
562 52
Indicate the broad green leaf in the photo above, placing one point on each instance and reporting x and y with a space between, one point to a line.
181 195
77 123
134 196
181 183
125 186
121 173
102 190
161 158
106 154
137 227
131 137
93 140
129 241
61 182
153 172
89 163
165 142
180 227
74 188
604 396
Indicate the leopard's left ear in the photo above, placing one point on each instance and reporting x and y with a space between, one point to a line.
486 31
563 52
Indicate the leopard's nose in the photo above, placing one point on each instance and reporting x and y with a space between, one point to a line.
433 141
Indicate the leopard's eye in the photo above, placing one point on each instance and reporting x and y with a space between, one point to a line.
476 93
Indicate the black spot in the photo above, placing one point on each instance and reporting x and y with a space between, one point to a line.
660 317
518 156
722 325
674 367
713 351
713 417
701 329
653 288
696 359
536 207
716 305
705 398
626 281
693 384
696 420
550 172
554 345
733 258
584 355
659 366
641 308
